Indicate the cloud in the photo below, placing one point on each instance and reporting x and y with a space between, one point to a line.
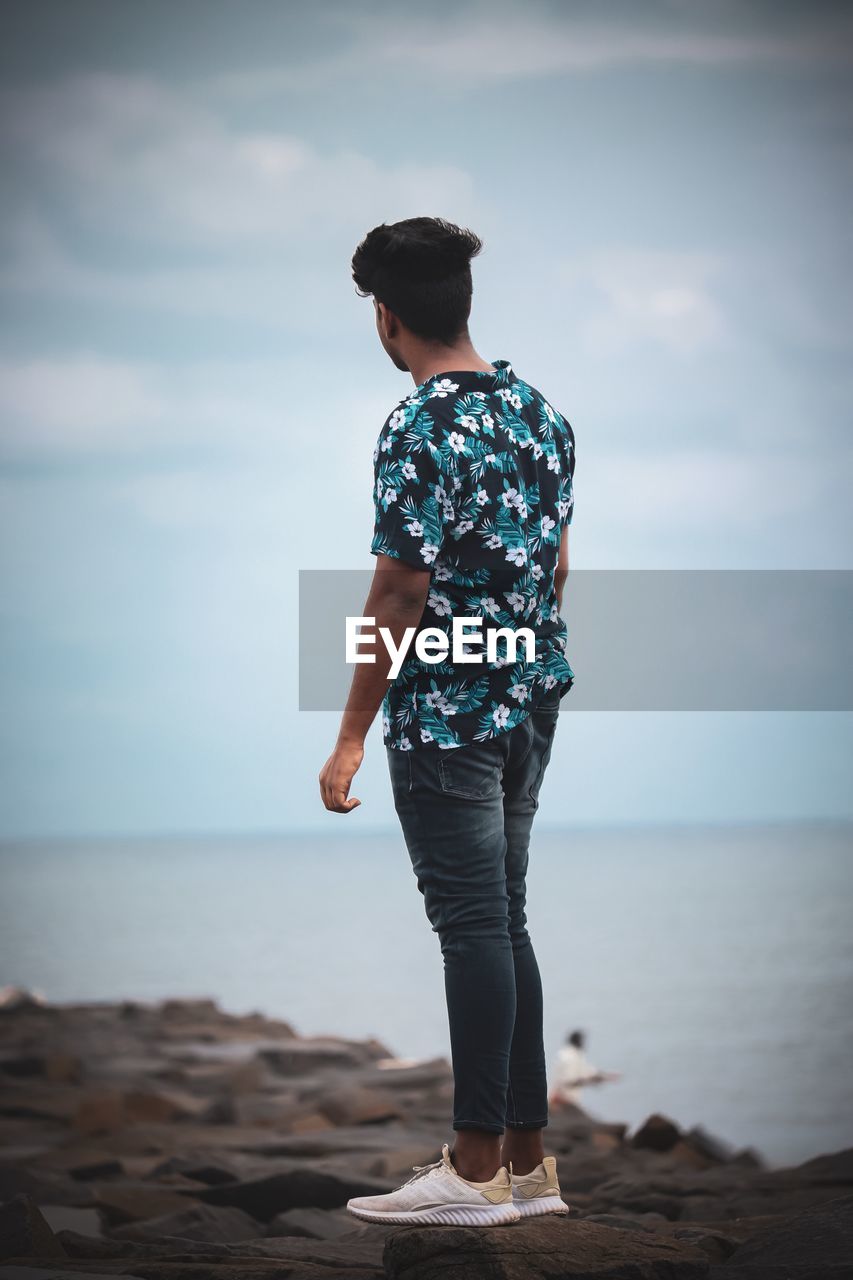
494 42
228 415
87 405
127 156
631 296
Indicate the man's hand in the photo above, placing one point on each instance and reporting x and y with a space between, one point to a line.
337 774
396 600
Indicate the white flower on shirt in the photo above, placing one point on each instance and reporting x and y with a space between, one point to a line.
390 494
547 525
415 528
482 497
444 388
519 691
456 441
553 462
489 605
469 422
439 604
511 397
437 701
410 471
494 541
515 600
429 552
500 715
517 555
398 420
510 497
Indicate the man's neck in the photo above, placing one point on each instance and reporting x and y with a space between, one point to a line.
454 360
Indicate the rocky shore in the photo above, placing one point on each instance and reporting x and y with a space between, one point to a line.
174 1141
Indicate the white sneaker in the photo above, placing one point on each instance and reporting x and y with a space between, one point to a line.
538 1191
437 1193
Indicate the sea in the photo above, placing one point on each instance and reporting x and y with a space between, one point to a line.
711 965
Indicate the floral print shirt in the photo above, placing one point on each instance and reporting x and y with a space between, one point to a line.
473 479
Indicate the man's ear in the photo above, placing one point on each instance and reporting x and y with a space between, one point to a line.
390 323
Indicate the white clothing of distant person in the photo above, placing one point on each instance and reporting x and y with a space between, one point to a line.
573 1070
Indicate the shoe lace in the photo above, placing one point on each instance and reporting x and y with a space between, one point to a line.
421 1171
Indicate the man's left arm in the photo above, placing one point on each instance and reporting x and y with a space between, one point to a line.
396 599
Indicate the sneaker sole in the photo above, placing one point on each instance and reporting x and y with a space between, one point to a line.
457 1215
539 1205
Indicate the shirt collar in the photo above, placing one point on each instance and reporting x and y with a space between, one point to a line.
475 379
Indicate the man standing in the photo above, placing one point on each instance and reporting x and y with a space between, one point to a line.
473 497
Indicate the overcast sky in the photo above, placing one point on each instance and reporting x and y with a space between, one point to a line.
190 382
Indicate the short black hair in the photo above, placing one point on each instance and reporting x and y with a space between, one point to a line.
421 269
576 1038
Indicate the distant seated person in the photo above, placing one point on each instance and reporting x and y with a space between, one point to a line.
573 1070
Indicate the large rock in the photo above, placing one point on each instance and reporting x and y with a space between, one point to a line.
358 1106
220 1224
298 1187
313 1224
816 1244
355 1256
106 1112
135 1201
39 1273
60 1217
43 1186
24 1232
307 1057
539 1249
657 1134
835 1170
213 1173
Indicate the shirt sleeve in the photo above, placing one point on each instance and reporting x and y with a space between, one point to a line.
412 492
566 498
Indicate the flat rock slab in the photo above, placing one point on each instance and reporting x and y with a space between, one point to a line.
201 1222
543 1249
816 1244
359 1257
41 1273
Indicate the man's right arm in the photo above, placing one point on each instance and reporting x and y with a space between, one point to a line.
562 569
